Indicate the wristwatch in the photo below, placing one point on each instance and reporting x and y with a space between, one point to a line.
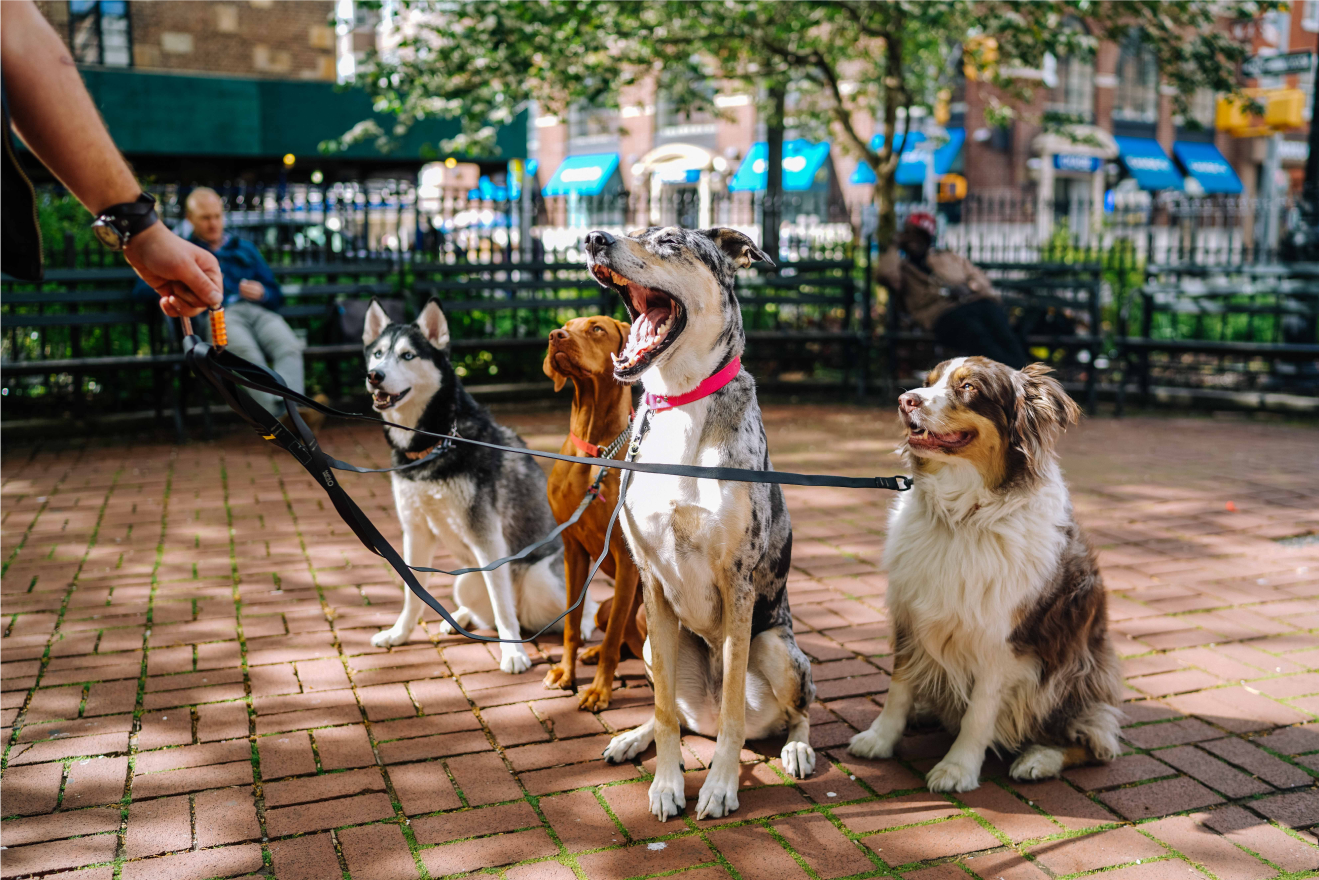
116 225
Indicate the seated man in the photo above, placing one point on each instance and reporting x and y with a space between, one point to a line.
948 295
251 296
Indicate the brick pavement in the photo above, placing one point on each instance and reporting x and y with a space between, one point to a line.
189 689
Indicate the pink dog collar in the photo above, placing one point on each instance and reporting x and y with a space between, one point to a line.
711 384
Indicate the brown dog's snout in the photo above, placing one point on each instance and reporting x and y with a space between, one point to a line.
910 402
560 334
375 377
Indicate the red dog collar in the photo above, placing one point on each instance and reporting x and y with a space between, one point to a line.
593 449
711 384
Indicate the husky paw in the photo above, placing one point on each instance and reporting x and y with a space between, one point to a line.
392 637
627 746
462 616
667 799
1037 762
870 743
798 759
718 796
949 775
514 660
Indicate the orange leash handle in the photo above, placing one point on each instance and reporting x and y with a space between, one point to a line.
219 334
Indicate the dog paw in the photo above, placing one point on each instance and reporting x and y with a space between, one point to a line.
667 799
591 655
871 744
462 616
514 660
627 746
595 698
949 775
798 759
392 637
1037 762
718 796
559 677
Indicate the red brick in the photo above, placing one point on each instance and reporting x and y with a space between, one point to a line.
228 861
483 779
40 857
436 696
488 852
1212 772
385 701
861 685
271 680
946 871
645 859
1297 809
1256 834
474 823
49 704
1013 818
537 757
1003 866
1064 804
192 779
433 746
58 749
755 854
285 754
426 725
31 790
158 826
322 675
515 725
828 784
1236 709
1206 848
1259 762
580 822
1159 798
305 858
904 810
576 776
757 803
81 727
328 814
194 756
423 788
319 788
38 829
173 727
922 842
225 816
562 718
882 777
343 747
308 719
193 696
1168 869
829 853
546 871
1172 733
1292 740
377 852
1179 682
93 782
1096 851
221 721
1119 771
631 804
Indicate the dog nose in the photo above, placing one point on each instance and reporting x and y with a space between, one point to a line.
375 377
597 241
910 402
559 334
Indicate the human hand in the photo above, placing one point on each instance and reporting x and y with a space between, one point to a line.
253 291
186 277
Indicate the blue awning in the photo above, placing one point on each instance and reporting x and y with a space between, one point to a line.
802 160
1148 163
1206 164
911 165
584 175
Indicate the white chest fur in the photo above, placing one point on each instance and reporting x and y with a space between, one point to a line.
441 507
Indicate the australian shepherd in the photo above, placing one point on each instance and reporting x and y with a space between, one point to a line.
1000 629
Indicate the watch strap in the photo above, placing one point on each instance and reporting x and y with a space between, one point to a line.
130 218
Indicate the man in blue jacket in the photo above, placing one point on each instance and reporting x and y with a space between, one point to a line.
251 297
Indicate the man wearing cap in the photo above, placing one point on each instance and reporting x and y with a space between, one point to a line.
948 295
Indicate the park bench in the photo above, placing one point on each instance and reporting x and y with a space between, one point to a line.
1029 291
1255 322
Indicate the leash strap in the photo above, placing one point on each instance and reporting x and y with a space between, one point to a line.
209 363
224 363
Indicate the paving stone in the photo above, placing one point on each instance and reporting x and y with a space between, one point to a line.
158 826
1292 740
1167 869
828 784
31 790
829 853
1172 733
1120 771
904 810
193 756
188 779
225 816
1159 798
488 852
483 779
545 871
38 829
306 858
433 746
580 822
1013 818
645 859
1250 831
229 861
423 788
1003 866
516 725
1213 772
1204 847
59 749
285 754
475 823
42 857
1093 851
575 776
631 804
328 814
1272 770
1297 809
221 721
921 842
377 852
93 782
882 777
319 788
755 854
343 747
539 756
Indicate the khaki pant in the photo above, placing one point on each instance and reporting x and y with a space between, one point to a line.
263 337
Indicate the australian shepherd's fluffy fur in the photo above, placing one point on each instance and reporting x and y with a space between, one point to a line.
1000 628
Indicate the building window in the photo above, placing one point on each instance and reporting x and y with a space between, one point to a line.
1137 98
1203 105
1310 16
99 32
1075 93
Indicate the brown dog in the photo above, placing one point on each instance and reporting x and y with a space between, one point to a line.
601 410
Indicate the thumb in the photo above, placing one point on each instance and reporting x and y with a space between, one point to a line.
203 280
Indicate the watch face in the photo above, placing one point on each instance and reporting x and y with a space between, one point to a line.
108 235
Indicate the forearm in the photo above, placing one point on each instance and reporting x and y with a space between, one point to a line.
53 113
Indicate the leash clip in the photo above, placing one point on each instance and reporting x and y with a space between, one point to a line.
903 482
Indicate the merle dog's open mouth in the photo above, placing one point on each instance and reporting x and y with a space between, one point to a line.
383 400
922 438
657 320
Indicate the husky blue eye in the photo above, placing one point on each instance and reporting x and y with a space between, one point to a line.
407 355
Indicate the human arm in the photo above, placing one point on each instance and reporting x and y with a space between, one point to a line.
261 287
54 115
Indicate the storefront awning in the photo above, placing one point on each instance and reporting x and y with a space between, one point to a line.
911 165
1148 163
802 160
584 175
1206 164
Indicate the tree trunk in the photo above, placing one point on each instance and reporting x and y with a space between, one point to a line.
772 208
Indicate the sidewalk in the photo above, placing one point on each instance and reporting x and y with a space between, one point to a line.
189 688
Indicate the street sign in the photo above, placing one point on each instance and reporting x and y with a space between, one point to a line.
1277 65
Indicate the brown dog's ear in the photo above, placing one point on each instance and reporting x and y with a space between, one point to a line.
624 331
548 367
1043 413
739 247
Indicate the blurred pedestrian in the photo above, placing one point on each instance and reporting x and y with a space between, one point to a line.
46 103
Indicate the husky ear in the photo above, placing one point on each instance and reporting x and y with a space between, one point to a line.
740 248
434 326
548 367
376 322
1043 413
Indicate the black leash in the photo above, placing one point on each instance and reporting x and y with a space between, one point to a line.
229 374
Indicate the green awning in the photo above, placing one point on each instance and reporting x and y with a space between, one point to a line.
164 113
